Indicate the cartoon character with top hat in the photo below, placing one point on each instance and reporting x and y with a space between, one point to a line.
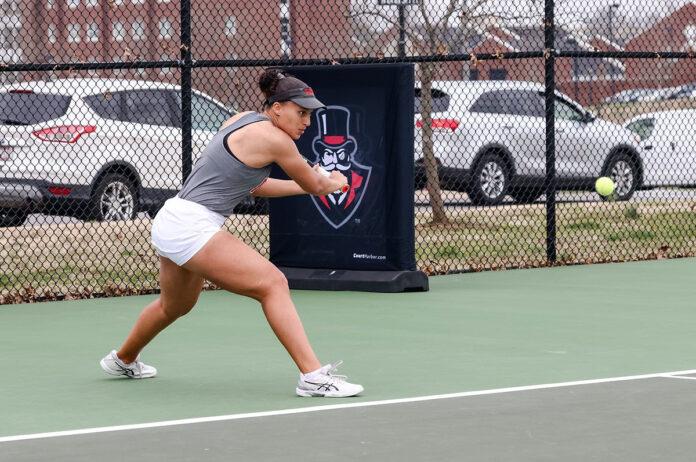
334 149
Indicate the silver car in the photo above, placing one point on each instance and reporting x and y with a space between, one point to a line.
489 139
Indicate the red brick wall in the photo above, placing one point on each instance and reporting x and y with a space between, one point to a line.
667 35
320 29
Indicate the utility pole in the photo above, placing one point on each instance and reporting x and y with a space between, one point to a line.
401 5
613 40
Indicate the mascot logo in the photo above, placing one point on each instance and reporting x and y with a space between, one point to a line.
334 149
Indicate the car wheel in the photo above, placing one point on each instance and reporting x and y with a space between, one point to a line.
114 198
624 172
12 217
490 180
526 195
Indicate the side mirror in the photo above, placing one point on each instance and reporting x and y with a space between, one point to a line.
588 117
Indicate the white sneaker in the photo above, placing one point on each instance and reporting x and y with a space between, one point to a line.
326 384
135 370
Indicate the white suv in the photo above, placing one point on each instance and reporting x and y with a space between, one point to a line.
100 149
489 140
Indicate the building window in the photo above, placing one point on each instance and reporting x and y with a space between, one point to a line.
497 74
49 4
51 33
163 1
117 2
74 33
73 4
93 72
138 2
232 71
165 29
91 2
138 30
93 32
165 70
118 32
118 72
230 26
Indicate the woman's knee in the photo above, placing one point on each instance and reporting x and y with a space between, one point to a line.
175 309
274 282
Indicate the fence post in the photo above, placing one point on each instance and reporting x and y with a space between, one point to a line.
186 151
549 77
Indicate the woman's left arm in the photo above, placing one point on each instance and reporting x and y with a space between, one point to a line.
274 187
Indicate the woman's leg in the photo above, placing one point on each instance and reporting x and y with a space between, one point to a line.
234 266
179 291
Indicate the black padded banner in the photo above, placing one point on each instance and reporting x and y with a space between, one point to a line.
366 132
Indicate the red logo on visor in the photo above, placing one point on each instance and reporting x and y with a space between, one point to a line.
309 91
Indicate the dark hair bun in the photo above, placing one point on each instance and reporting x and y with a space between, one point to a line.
268 81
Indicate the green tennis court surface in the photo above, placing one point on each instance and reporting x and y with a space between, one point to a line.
472 336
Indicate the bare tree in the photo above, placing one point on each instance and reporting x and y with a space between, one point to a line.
426 29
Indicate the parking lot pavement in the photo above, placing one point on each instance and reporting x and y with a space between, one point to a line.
456 199
37 219
452 198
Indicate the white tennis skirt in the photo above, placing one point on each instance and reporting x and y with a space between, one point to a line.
181 228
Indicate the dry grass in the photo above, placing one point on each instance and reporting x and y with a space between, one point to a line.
515 236
89 259
93 257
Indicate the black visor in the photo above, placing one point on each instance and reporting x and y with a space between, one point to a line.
295 90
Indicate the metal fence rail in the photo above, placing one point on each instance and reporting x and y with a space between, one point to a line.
105 106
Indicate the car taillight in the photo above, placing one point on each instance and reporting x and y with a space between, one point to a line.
64 133
56 191
22 92
451 124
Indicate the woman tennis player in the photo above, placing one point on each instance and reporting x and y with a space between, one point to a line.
187 232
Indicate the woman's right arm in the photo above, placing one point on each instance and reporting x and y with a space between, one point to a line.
289 159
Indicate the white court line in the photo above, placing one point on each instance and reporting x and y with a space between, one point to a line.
668 376
169 423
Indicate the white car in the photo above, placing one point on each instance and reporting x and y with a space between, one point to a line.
489 141
100 149
668 141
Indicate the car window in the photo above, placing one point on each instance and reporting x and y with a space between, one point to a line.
524 103
643 128
28 108
206 114
490 102
565 111
107 105
513 102
150 107
439 99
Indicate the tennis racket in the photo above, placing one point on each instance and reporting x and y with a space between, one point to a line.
323 172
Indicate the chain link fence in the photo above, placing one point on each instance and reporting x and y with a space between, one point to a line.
520 107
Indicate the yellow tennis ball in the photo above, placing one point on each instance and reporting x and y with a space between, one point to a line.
604 186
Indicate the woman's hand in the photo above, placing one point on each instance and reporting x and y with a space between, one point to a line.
336 180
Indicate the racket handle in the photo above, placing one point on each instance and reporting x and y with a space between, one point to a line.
344 189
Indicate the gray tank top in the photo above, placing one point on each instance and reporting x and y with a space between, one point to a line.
219 180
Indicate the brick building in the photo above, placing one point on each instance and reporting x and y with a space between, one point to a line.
45 31
676 32
149 30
